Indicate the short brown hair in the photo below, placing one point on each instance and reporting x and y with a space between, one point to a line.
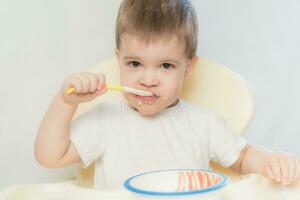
154 18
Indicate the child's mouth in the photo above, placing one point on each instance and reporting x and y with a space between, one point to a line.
147 99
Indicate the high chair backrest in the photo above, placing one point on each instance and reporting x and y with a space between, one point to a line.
210 85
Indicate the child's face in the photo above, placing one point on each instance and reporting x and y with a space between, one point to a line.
159 66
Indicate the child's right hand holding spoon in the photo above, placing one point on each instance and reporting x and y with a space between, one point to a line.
87 87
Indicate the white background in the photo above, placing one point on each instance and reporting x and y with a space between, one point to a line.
41 42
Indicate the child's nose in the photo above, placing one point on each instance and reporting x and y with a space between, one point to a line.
149 79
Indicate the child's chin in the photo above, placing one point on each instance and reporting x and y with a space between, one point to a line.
147 112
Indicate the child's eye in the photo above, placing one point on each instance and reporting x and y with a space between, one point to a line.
134 64
167 66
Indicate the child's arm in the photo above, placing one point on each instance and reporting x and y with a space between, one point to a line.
280 166
53 147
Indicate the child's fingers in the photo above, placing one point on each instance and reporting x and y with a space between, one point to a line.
99 92
101 81
270 173
284 167
297 176
85 83
76 83
290 168
275 167
297 171
93 82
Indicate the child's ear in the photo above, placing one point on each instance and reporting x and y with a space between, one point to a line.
117 54
190 66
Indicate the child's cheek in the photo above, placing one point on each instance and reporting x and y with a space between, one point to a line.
125 79
175 86
128 78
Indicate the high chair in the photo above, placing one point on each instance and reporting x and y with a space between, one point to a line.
210 85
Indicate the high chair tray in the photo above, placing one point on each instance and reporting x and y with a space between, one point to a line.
68 190
248 188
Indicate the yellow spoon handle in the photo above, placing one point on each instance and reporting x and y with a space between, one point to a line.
70 90
108 86
114 87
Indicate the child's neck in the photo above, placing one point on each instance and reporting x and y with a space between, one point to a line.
174 104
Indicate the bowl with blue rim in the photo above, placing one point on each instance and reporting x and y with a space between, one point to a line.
177 184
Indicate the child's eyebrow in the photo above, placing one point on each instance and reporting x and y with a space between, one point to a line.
170 60
130 57
161 60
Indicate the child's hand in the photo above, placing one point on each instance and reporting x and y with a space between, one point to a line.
87 86
283 168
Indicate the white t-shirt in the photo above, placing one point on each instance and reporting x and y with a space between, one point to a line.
123 143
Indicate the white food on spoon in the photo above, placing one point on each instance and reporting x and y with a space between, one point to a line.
138 92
